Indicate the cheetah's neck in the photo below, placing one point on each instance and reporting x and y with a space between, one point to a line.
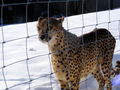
61 39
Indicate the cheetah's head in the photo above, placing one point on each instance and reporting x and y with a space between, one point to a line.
47 26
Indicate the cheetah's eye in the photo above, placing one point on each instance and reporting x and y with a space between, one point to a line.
49 27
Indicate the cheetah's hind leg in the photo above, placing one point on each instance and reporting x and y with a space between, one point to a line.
106 68
64 85
99 77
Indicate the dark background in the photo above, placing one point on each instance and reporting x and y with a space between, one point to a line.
20 11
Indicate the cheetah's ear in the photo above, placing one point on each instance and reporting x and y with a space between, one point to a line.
61 19
40 18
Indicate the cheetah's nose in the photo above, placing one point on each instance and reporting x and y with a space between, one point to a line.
42 37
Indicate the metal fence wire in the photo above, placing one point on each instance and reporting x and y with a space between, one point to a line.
3 42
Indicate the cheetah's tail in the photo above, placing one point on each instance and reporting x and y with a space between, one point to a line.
116 70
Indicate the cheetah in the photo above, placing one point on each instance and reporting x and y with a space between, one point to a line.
74 57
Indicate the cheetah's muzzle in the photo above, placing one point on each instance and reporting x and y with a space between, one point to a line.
44 37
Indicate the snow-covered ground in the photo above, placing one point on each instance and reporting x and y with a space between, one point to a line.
15 49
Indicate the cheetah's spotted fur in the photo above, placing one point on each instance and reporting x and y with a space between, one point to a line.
75 57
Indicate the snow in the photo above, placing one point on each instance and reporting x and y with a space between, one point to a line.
16 71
